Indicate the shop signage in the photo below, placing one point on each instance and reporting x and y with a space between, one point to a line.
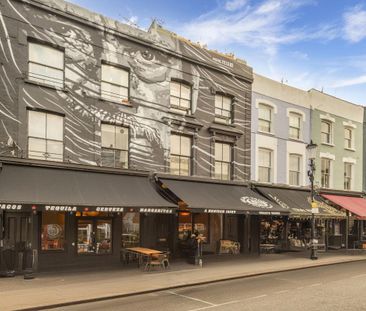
269 213
256 202
109 209
219 211
157 210
60 208
278 201
10 207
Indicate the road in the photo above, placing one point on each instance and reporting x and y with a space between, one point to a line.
337 287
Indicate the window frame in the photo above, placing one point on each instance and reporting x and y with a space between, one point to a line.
180 156
323 175
173 108
299 172
66 234
348 141
115 149
44 82
298 129
330 134
269 168
230 162
117 100
46 112
347 179
270 121
220 117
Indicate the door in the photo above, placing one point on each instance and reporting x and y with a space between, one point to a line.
16 239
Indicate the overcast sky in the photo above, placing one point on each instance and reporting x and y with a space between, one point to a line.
306 43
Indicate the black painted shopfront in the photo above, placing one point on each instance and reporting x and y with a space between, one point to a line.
78 216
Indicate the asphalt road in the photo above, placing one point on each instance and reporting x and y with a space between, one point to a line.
337 287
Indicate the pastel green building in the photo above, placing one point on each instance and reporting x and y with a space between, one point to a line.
337 129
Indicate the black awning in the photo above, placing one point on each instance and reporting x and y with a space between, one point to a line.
62 189
214 197
298 202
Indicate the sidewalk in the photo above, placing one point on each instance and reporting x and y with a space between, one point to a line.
68 287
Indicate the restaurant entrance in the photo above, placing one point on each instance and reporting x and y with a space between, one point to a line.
17 238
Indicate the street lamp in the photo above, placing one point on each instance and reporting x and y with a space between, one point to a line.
311 150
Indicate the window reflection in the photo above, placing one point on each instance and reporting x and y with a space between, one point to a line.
53 228
130 230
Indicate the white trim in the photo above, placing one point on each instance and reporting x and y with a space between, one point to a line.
259 101
298 111
350 124
327 155
349 160
327 117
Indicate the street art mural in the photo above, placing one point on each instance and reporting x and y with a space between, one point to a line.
153 58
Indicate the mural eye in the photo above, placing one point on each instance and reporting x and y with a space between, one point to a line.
147 55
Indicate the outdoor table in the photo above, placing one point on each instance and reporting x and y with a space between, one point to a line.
142 253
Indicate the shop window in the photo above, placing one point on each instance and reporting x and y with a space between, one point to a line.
295 125
222 161
348 138
347 176
265 118
223 109
325 172
45 65
326 132
94 236
295 163
180 155
180 97
115 143
272 232
130 229
45 136
264 165
184 226
53 231
201 224
114 83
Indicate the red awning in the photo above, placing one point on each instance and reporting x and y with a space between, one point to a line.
355 205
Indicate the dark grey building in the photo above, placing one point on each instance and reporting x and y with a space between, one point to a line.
90 109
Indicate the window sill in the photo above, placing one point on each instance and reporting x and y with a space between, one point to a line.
350 149
52 87
223 122
180 112
266 133
296 140
121 103
327 144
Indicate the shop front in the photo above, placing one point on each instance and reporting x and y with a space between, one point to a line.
294 233
77 217
355 209
227 215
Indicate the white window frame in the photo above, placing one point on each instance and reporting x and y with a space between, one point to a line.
219 159
330 132
270 121
299 129
299 171
181 156
113 149
323 185
114 97
348 179
179 108
46 155
220 110
46 79
269 168
349 143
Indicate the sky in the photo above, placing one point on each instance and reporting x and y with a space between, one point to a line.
304 43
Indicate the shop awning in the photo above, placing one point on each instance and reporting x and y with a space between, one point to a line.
356 205
214 197
62 189
298 202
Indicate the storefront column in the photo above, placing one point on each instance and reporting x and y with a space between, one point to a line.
246 236
1 238
347 229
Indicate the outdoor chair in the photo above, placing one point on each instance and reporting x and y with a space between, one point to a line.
159 260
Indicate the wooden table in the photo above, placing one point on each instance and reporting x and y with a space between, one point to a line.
142 253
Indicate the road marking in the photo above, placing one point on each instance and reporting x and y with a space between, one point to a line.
358 276
257 297
215 306
192 298
282 291
315 284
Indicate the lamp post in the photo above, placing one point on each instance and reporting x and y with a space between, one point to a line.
311 150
